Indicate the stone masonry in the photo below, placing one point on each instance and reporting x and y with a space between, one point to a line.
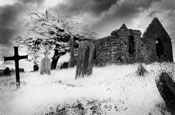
126 46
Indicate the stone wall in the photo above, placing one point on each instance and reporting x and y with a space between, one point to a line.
158 43
121 47
125 46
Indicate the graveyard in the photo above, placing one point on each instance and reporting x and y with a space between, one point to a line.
94 79
117 74
75 57
114 89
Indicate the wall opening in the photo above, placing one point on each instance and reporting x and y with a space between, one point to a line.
119 59
159 47
131 45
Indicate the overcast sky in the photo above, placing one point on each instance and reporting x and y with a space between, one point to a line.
101 16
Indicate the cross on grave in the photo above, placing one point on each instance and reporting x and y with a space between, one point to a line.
16 58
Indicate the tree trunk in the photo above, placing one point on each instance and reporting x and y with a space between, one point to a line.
55 60
85 59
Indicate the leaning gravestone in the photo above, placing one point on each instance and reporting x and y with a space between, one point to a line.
45 64
85 58
166 87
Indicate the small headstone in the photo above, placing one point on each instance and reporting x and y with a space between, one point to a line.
35 67
21 69
64 65
166 87
141 71
6 71
45 64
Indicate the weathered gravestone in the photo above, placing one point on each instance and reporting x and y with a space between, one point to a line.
45 64
85 58
35 67
16 58
141 71
64 65
6 71
166 87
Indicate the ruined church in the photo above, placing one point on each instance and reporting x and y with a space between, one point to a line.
125 46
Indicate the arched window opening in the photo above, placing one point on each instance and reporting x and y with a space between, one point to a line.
159 47
131 45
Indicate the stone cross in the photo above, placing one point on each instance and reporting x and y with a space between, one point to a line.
16 58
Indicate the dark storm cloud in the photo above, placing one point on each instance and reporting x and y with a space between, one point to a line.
10 18
106 12
123 12
132 7
32 1
97 7
76 7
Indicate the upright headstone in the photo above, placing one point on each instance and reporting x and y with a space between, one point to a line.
6 71
166 87
16 58
45 64
35 67
85 59
64 65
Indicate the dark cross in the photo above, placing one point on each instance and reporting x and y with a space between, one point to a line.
16 58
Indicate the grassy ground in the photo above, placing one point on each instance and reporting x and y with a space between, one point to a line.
110 90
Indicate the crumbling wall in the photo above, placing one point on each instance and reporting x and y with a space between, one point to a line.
125 46
117 49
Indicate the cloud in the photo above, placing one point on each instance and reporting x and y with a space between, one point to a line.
122 12
8 17
102 11
105 12
76 7
132 7
38 2
165 11
11 18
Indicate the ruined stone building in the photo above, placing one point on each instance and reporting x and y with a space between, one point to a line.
125 46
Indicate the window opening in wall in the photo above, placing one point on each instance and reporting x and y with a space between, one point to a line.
131 45
120 59
159 47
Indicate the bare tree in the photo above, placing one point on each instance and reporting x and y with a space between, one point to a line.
52 31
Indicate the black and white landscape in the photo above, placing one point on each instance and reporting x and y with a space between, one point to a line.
87 57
